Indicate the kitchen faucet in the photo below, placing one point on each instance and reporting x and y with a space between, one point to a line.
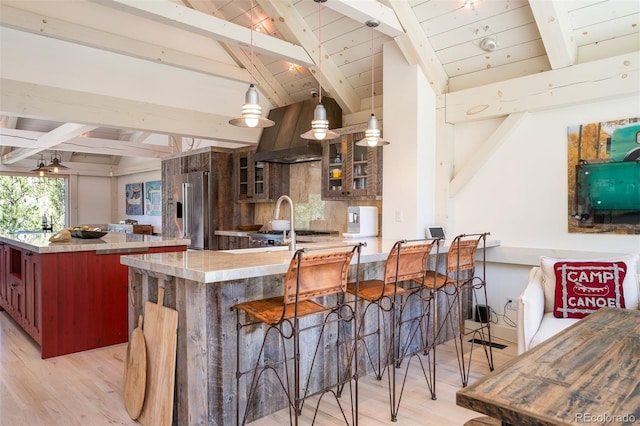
276 213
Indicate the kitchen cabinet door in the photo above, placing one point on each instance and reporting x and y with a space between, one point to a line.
15 264
4 292
32 294
258 181
351 172
20 288
334 176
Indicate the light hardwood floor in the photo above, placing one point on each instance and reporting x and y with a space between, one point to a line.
86 388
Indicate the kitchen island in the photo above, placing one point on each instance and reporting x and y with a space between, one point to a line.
203 286
71 296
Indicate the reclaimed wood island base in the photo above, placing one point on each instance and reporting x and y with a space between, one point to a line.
71 296
202 286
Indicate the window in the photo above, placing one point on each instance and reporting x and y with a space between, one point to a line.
25 202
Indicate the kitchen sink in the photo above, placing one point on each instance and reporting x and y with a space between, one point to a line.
256 250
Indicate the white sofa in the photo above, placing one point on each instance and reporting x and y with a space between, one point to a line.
536 322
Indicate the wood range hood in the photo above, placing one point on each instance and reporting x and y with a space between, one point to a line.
282 143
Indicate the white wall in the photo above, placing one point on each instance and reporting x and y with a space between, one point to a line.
520 194
94 200
409 126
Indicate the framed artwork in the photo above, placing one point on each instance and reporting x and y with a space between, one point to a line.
134 198
604 175
153 198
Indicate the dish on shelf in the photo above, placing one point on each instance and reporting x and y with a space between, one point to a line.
88 234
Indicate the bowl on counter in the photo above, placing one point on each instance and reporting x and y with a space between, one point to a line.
88 235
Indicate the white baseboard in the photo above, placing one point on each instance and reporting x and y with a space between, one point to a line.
498 330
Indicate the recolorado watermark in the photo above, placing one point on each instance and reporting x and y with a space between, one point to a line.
604 418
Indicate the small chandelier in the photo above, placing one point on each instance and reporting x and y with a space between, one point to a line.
319 125
251 110
372 134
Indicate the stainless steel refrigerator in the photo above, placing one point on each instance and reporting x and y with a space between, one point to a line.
192 209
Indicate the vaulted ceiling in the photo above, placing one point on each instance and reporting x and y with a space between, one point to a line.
290 47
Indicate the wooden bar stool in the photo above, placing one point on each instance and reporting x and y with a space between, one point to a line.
461 285
314 286
407 262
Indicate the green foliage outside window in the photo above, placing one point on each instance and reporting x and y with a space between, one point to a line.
25 199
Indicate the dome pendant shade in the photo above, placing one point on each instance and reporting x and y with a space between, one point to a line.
251 112
319 126
55 165
372 134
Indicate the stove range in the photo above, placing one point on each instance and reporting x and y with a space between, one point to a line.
275 238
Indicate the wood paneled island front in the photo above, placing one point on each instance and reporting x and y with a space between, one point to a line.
203 286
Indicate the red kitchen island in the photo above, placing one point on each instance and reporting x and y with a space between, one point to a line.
71 296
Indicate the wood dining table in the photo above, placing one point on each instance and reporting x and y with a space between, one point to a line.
587 374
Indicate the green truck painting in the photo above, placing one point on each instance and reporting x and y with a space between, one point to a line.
608 191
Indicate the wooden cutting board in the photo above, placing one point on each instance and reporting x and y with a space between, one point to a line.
160 334
135 372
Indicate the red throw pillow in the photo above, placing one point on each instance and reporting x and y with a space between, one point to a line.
584 287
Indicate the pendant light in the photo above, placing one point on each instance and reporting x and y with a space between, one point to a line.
320 125
55 165
372 135
251 110
41 168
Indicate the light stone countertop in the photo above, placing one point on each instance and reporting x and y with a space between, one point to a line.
208 266
113 241
232 233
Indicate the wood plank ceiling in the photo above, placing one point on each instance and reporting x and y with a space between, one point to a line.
443 37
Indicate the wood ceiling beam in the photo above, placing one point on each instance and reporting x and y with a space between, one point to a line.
294 27
19 138
180 16
54 103
135 136
589 82
113 147
264 80
554 24
417 49
48 140
44 22
365 10
87 145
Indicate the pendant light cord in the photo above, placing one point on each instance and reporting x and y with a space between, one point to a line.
372 69
320 52
251 44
